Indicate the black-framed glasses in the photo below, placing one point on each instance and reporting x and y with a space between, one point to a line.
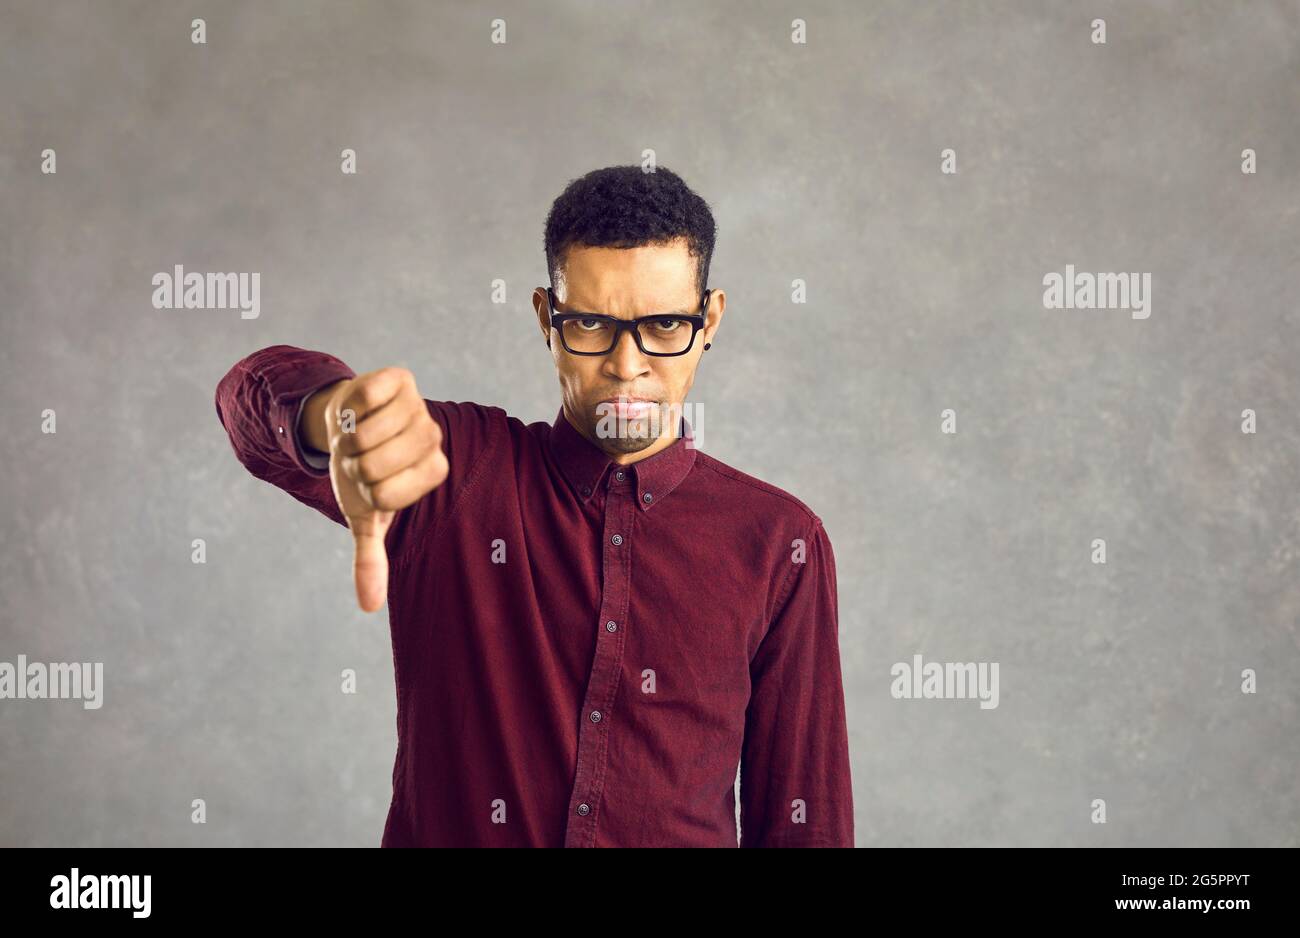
595 334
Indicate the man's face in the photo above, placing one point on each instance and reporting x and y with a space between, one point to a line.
627 283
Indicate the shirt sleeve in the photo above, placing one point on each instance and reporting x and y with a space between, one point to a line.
260 401
795 784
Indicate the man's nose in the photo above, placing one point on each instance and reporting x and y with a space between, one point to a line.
625 359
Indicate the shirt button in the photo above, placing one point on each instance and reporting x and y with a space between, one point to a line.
611 626
586 490
646 497
595 716
281 429
584 809
616 539
619 475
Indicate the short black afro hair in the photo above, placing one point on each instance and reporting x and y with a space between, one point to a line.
626 207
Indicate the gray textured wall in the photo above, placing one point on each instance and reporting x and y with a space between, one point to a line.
821 161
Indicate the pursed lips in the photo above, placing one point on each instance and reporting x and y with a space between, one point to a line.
627 408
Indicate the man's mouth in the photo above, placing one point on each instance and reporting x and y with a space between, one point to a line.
625 408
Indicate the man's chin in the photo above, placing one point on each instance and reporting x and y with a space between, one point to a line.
626 445
624 436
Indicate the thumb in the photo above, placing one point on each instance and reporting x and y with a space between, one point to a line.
370 559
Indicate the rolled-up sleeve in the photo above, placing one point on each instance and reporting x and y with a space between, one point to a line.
795 784
259 402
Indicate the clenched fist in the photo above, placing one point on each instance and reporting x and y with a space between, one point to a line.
385 454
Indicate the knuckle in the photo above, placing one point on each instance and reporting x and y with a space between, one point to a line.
399 374
360 439
369 395
385 497
438 469
369 468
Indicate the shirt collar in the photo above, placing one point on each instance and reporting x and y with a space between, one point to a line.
584 463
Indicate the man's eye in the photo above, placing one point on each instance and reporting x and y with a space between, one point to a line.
590 325
667 325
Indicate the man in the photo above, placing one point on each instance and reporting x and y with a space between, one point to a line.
593 622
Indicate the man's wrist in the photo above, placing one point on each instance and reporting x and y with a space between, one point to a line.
312 432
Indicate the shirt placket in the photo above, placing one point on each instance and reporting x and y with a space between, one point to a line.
597 718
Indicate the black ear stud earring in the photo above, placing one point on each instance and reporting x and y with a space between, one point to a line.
706 346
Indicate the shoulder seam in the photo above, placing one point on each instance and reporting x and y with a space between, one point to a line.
716 467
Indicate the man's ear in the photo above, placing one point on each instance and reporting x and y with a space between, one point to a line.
539 300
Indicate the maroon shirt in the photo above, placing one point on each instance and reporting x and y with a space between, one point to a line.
584 652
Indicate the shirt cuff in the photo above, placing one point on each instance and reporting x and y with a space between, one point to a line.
313 459
290 391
